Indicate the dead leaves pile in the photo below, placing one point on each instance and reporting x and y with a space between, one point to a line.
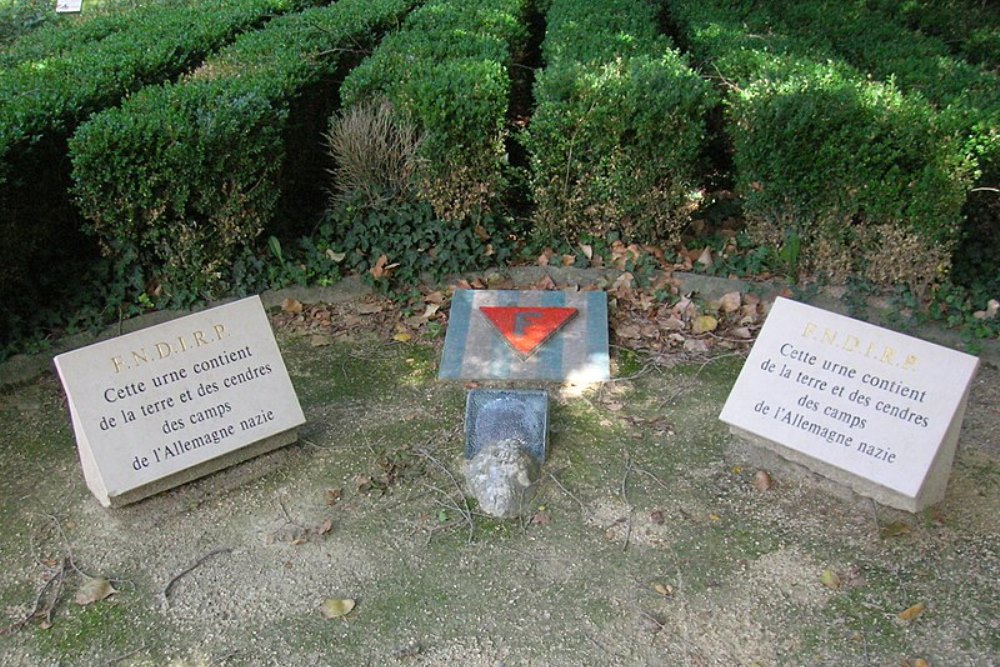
657 317
325 323
644 321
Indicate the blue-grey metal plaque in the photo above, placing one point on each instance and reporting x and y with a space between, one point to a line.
497 415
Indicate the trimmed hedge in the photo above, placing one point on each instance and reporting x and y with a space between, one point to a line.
838 169
619 127
59 34
52 97
41 103
970 28
967 97
204 156
445 72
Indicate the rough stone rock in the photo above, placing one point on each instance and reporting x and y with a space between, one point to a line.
502 477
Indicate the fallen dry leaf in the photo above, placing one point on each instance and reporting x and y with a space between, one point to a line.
896 529
705 258
333 496
762 480
320 340
403 337
911 613
730 303
336 607
93 589
662 589
830 579
370 308
541 518
324 527
704 324
657 517
382 268
291 306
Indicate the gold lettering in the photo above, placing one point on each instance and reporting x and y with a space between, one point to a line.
887 355
182 343
910 362
160 347
199 338
810 328
140 356
829 336
851 343
119 364
220 331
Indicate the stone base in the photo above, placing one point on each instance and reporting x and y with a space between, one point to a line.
931 491
252 450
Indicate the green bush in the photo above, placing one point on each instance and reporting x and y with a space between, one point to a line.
966 97
970 28
445 72
20 17
31 30
205 156
619 127
42 102
849 171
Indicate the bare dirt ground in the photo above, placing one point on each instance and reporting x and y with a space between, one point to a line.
654 539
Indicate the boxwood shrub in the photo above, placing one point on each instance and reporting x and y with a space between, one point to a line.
967 97
619 127
43 101
204 156
446 73
970 28
840 172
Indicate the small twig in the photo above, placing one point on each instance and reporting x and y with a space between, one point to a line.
686 386
583 508
624 495
467 512
126 656
288 517
198 563
224 658
653 477
660 624
56 579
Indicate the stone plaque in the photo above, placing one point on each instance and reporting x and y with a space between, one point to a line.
527 335
865 406
69 6
495 415
162 406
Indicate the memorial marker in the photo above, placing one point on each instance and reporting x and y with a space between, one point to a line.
862 405
527 335
525 329
165 405
69 6
506 440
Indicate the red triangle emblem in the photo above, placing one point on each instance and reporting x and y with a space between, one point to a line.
526 328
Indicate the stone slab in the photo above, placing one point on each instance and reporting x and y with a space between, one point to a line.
577 352
495 415
870 408
168 404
